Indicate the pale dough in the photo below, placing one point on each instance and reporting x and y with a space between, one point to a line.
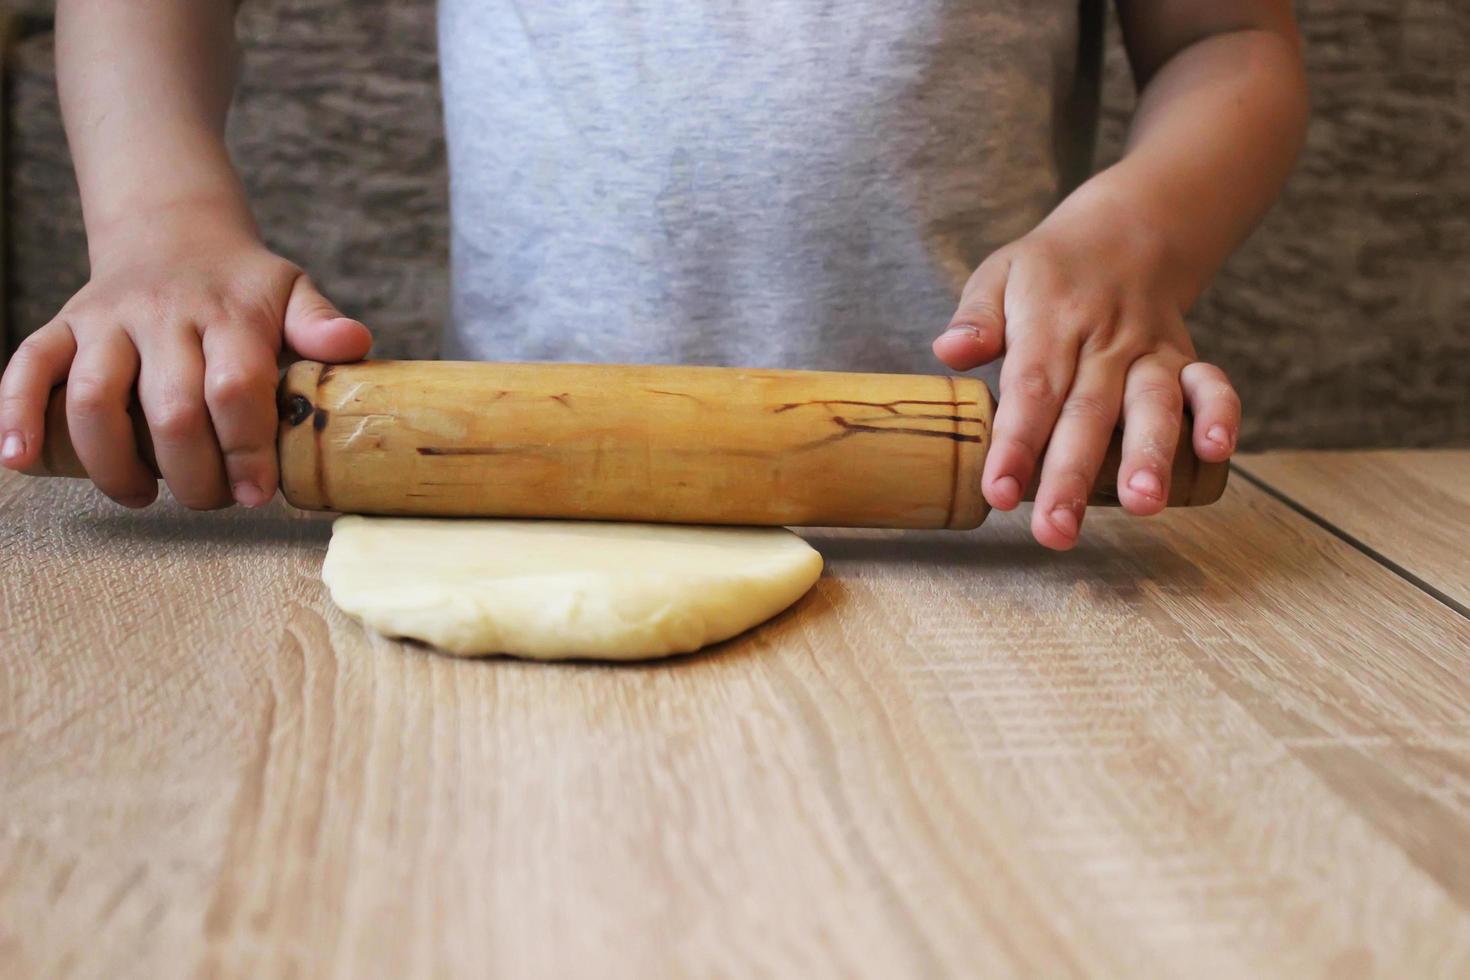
562 589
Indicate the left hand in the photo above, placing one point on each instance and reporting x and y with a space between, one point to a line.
1089 313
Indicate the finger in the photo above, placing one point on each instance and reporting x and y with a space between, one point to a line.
1084 427
1216 409
976 332
240 392
98 393
171 388
317 330
1036 373
38 365
1153 409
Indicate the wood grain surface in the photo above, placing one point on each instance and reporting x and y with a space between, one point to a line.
1410 506
1218 743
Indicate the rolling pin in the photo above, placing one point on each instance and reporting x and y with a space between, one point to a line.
696 445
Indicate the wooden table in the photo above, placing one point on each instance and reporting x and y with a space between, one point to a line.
1232 741
1408 509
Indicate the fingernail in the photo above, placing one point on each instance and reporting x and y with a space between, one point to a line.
14 446
248 494
1065 520
1144 482
1008 488
1219 434
967 330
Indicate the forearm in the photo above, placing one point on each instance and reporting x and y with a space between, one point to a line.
1216 132
145 86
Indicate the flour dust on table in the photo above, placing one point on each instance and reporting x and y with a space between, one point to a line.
552 590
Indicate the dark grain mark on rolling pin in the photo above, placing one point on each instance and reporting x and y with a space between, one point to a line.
923 416
322 378
563 399
318 425
461 451
889 407
671 394
854 428
295 409
937 433
954 460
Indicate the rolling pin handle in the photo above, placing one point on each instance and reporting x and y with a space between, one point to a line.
1193 482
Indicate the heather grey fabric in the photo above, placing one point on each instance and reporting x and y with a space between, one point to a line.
783 183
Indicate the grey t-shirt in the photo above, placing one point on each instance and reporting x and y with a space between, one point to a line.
766 183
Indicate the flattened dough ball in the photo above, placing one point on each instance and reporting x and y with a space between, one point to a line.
553 590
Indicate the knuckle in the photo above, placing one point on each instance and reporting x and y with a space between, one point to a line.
1203 372
152 302
1087 407
1019 447
15 410
1211 387
34 351
212 311
28 351
1132 344
1030 382
23 367
88 395
176 419
236 387
1160 394
1099 326
174 305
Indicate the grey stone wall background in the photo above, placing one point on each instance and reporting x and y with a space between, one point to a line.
337 132
1344 320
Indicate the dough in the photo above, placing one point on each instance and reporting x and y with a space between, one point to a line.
561 589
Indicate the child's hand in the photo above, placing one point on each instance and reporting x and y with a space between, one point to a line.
1089 314
193 311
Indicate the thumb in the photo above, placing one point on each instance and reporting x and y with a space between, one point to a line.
317 330
976 332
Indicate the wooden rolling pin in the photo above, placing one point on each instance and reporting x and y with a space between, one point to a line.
677 444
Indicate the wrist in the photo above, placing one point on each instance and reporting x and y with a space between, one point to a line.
1139 231
163 224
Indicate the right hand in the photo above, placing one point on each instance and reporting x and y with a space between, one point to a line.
194 313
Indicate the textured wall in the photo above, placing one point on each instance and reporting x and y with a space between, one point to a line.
1343 320
337 132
